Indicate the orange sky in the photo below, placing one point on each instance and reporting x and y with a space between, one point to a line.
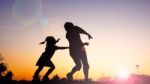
120 31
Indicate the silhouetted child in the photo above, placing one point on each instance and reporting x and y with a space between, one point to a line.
44 60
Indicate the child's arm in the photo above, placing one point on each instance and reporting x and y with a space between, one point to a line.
62 47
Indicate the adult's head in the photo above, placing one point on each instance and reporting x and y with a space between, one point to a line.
68 26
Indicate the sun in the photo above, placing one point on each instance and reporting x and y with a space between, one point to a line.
123 74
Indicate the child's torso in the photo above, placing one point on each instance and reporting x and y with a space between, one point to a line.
50 50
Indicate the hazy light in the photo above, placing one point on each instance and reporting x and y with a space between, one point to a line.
27 12
44 21
123 74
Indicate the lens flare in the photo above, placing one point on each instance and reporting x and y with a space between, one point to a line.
53 27
123 74
27 12
44 21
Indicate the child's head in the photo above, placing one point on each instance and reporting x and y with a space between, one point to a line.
51 40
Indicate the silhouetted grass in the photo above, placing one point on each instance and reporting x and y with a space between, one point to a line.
133 79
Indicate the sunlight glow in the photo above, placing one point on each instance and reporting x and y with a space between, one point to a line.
123 74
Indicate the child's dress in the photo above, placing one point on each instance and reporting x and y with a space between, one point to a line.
44 60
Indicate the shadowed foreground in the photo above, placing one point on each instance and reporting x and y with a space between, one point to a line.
133 79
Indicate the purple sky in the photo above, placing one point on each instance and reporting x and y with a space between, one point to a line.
120 29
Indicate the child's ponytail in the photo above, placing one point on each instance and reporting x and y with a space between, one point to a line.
42 42
57 40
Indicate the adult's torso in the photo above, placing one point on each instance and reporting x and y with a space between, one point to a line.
74 39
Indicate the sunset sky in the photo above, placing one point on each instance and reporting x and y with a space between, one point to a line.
120 30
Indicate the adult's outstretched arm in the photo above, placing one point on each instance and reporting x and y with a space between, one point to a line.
80 30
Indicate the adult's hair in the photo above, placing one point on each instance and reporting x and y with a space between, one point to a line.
68 25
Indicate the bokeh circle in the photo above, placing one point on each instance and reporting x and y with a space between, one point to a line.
27 12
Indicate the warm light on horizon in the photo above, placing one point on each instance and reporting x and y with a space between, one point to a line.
120 31
123 74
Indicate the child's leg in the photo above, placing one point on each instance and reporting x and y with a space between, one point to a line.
52 67
36 74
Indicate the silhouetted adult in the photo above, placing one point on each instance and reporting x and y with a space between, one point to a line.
76 48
